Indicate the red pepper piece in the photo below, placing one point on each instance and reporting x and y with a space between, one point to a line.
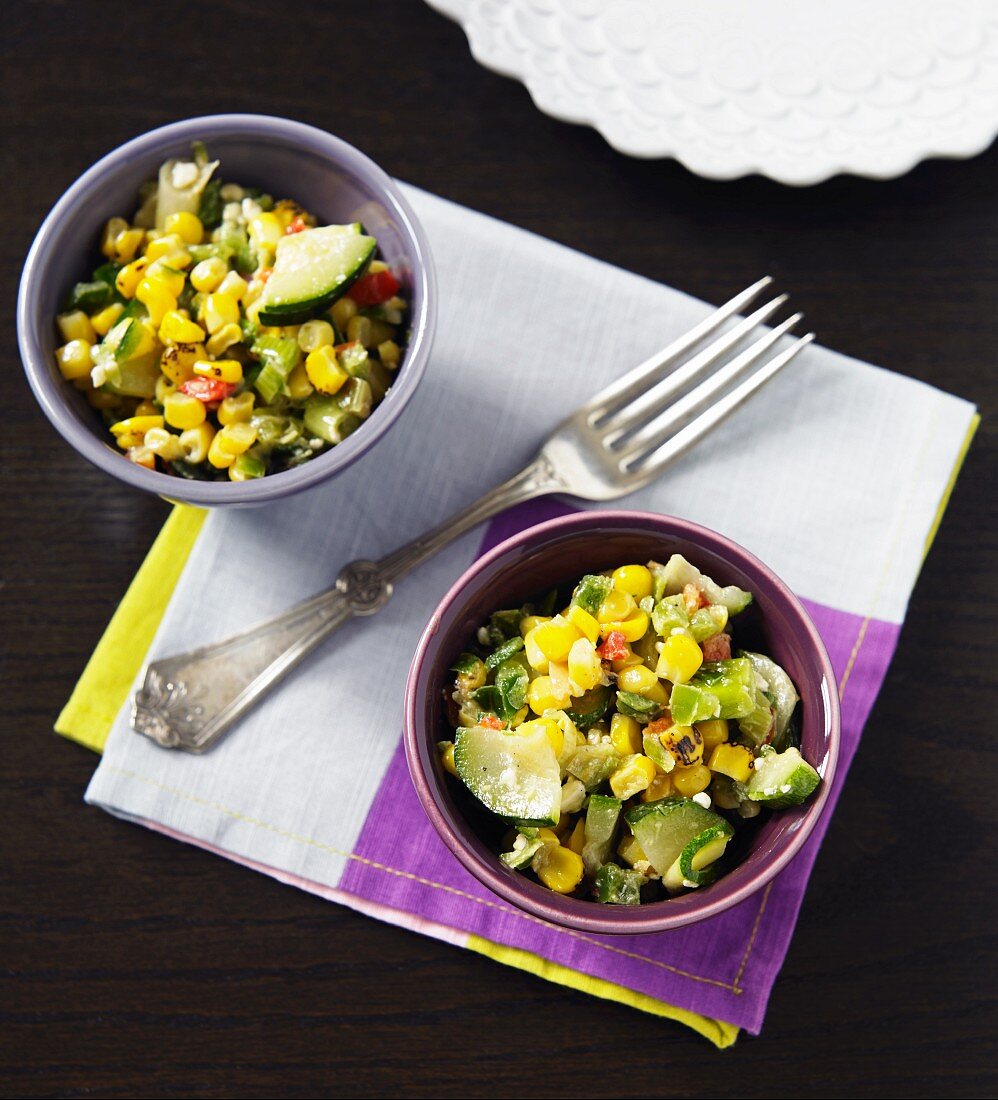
614 647
296 226
490 722
373 289
207 390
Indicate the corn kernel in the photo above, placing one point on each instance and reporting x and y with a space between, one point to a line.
616 607
219 458
107 318
237 408
219 310
550 728
315 334
660 787
163 246
324 371
542 695
685 744
584 622
234 285
629 661
577 839
637 678
633 628
175 328
164 387
112 230
375 267
183 411
528 622
157 299
342 311
265 230
127 440
299 387
76 326
177 361
226 337
235 439
691 781
585 669
535 658
447 758
127 243
680 658
634 777
225 370
556 637
389 353
164 444
146 408
561 870
625 734
129 277
713 732
658 694
208 274
197 440
160 271
75 360
735 761
635 580
187 226
140 424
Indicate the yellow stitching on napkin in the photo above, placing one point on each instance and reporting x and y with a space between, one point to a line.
322 846
755 932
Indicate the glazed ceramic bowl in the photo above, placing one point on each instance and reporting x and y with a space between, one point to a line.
326 175
556 553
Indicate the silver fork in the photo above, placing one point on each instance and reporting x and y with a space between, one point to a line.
617 442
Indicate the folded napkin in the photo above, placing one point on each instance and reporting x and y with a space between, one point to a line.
836 475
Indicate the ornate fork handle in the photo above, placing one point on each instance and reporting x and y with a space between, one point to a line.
188 701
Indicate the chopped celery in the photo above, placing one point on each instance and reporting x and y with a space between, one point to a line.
619 886
691 703
274 429
591 591
673 577
757 725
356 398
235 238
781 691
326 420
354 360
732 682
249 465
279 355
602 817
708 621
507 649
668 615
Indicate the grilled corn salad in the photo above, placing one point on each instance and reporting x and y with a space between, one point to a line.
225 335
621 738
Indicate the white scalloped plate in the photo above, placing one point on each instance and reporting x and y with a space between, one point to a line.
798 90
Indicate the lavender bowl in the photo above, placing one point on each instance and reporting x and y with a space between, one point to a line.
323 173
552 554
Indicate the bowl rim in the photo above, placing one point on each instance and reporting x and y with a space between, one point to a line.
586 916
48 390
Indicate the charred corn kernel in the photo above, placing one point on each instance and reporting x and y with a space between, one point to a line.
735 761
175 328
164 387
315 334
225 370
630 851
127 440
542 695
691 781
208 274
632 628
342 311
447 757
299 387
157 299
585 669
220 310
182 411
625 734
583 622
76 326
127 243
164 444
577 837
197 440
177 361
107 318
97 399
234 285
635 580
680 658
112 230
164 246
659 787
616 607
324 371
217 457
389 353
235 439
638 678
528 622
226 337
634 777
714 733
187 226
359 329
265 230
75 360
146 408
556 637
535 658
129 277
685 744
561 870
658 694
237 408
140 424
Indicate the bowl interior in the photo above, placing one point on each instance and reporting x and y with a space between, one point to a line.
289 160
773 624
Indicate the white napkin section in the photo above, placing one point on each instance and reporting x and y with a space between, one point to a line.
807 475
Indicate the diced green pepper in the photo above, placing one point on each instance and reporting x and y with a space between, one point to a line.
591 591
637 706
619 886
507 649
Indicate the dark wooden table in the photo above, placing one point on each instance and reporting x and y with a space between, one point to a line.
136 965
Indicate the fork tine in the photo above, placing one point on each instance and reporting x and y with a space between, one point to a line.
651 465
634 381
661 392
677 415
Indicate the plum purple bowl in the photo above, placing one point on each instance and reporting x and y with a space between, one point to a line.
325 174
556 553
